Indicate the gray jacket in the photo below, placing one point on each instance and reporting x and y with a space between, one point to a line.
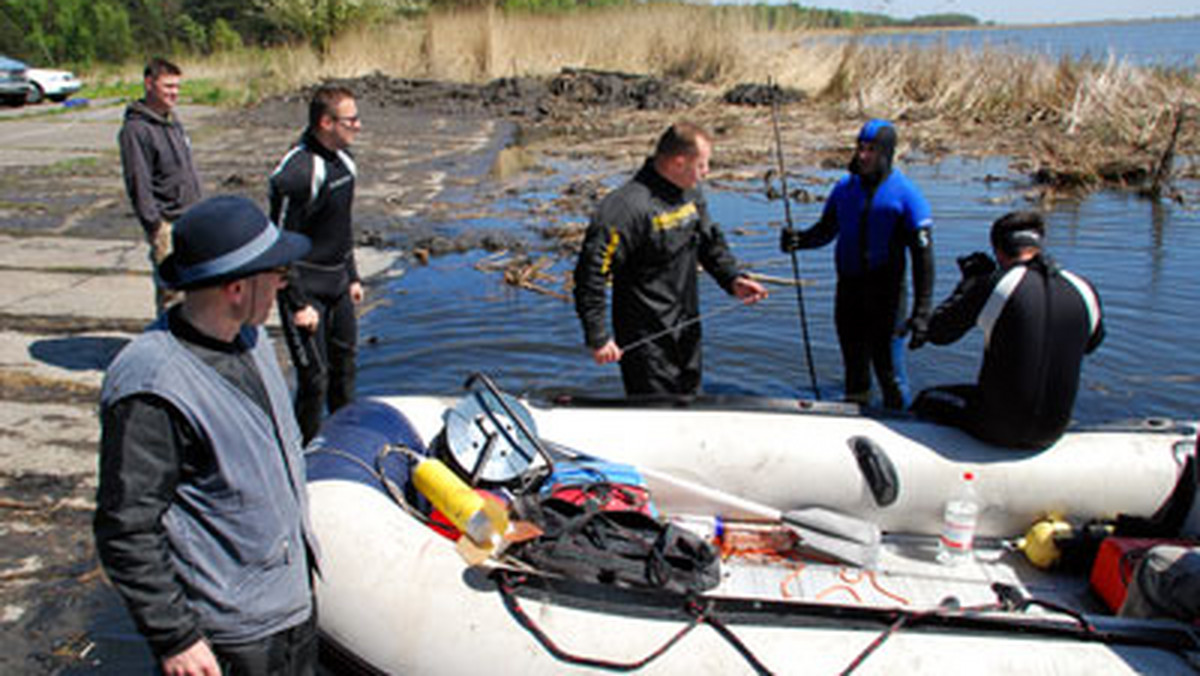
239 537
156 158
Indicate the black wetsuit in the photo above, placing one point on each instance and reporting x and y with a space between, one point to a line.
1038 321
312 192
648 237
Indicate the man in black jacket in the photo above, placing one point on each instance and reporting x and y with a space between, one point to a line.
312 193
1038 322
156 159
647 237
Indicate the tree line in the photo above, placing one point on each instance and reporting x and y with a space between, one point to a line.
85 32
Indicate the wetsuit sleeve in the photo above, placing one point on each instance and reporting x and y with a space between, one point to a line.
605 248
714 254
823 231
142 449
135 167
290 195
957 314
920 247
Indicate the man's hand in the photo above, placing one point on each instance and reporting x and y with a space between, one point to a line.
917 327
306 318
976 265
607 353
197 660
748 290
791 239
356 292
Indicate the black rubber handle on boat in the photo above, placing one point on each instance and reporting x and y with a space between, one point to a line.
877 469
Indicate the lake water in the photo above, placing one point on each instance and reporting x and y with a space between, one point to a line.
1159 43
447 320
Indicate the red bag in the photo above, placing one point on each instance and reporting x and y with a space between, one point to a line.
609 486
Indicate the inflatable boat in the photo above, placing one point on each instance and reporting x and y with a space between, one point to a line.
395 595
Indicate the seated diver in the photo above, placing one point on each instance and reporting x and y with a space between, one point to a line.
1038 321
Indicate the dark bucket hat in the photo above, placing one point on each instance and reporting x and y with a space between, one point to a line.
225 238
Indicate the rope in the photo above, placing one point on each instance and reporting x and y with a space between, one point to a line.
874 645
646 340
507 582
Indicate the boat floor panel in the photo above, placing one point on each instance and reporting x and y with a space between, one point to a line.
907 576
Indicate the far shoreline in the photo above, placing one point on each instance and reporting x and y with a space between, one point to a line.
991 26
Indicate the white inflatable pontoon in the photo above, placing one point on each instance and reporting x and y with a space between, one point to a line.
394 595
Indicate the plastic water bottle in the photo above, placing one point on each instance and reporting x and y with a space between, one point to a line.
958 525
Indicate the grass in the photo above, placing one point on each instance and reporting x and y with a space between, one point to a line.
207 91
1080 109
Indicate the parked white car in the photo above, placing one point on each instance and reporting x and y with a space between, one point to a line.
48 83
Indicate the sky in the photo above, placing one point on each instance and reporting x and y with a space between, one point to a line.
1021 11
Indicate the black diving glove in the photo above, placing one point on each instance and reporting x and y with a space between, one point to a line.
977 264
917 327
791 239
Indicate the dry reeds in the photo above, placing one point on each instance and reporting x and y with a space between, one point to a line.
1077 108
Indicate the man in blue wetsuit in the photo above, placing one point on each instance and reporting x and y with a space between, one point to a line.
1038 322
877 215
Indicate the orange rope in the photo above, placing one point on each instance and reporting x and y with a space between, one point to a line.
837 588
875 583
793 575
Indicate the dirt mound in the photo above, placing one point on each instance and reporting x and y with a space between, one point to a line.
570 90
752 94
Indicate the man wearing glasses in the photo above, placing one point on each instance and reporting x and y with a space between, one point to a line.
312 193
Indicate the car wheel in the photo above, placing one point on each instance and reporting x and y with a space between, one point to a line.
57 98
16 101
35 94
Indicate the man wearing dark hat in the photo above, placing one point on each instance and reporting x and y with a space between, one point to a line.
201 514
877 215
1038 322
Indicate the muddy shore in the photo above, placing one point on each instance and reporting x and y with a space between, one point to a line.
75 285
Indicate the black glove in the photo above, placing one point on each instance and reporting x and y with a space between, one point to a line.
917 327
977 264
791 239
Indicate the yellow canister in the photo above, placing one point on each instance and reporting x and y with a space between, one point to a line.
465 508
1040 543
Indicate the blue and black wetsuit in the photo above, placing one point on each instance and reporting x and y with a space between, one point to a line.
1038 322
877 219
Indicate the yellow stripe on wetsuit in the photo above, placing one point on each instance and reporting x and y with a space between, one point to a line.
664 221
673 219
614 241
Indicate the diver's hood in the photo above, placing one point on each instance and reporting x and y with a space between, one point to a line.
883 135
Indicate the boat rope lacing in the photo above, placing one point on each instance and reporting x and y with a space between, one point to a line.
1010 600
700 613
379 473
